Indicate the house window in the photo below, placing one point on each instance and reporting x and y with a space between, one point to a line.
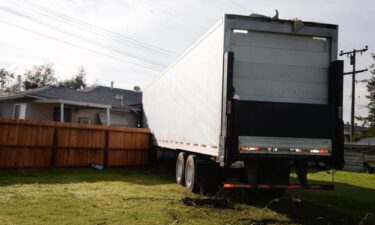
19 111
84 120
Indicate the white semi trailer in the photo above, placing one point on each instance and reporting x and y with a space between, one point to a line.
253 91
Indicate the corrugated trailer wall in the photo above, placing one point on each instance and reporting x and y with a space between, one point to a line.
183 107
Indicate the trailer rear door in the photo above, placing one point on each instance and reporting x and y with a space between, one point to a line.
275 67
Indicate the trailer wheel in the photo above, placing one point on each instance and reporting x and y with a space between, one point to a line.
180 168
190 174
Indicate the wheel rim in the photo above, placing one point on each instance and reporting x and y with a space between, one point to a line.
179 171
189 174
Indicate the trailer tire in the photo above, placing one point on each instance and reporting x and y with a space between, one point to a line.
180 168
191 174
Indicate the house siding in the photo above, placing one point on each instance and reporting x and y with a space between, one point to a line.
34 111
6 109
87 113
43 111
94 118
39 111
132 118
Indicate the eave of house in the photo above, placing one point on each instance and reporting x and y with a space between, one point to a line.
43 95
77 103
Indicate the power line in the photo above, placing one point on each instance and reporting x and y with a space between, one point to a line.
239 5
93 28
96 30
87 39
77 46
176 16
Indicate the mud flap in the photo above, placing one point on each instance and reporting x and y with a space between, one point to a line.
270 172
301 170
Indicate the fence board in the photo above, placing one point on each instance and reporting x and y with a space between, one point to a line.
27 143
356 155
72 157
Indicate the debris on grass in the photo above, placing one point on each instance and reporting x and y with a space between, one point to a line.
219 203
367 216
97 166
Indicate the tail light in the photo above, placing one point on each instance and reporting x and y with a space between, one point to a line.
291 150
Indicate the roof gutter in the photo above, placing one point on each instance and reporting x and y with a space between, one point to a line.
19 95
77 103
33 96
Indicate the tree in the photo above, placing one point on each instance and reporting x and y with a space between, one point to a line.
369 120
6 79
40 76
77 81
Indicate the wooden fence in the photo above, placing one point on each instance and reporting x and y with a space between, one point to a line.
357 157
27 143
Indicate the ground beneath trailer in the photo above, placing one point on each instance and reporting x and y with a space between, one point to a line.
150 196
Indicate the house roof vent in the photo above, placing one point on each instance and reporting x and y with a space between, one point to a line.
137 89
118 97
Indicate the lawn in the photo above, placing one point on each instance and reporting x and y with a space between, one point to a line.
150 196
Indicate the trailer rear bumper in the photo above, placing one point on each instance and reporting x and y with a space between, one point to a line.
231 185
284 145
288 157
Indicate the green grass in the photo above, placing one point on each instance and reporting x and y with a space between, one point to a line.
150 196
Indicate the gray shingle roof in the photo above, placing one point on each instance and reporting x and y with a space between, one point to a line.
356 128
108 95
98 95
367 141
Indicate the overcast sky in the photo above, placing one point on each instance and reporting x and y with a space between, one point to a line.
130 42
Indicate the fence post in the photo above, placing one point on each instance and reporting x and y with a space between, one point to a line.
54 146
106 148
151 155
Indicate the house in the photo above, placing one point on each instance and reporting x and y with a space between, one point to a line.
347 128
94 105
367 141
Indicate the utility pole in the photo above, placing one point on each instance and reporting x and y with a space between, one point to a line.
352 55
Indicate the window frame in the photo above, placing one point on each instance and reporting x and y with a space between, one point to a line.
80 119
21 116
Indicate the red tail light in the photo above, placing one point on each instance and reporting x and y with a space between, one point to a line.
229 185
324 151
243 148
247 148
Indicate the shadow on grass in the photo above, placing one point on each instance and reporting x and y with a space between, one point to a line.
347 205
143 176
